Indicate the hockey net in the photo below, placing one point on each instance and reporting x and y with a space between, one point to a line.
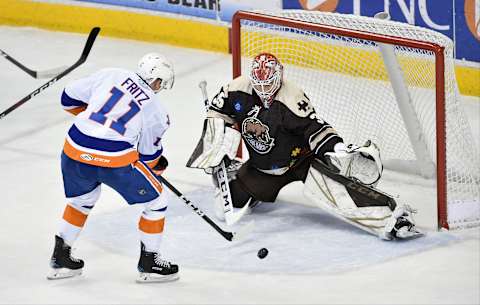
376 79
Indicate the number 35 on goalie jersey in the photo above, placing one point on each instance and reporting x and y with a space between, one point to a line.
119 120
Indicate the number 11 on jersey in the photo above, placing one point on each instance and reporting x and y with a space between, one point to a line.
117 124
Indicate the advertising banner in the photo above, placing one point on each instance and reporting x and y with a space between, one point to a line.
458 19
213 9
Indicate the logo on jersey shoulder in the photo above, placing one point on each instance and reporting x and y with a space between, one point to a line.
237 106
256 134
87 157
219 100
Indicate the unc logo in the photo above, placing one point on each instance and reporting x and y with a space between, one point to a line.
472 17
319 5
86 157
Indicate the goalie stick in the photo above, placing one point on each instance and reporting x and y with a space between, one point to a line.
360 193
221 174
33 73
230 236
83 57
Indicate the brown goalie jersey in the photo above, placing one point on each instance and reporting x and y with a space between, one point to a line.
279 136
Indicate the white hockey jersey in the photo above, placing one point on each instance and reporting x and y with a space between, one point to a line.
119 121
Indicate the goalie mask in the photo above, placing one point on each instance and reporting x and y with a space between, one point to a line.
154 66
266 77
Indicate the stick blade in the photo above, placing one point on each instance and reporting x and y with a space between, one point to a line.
233 217
51 72
244 231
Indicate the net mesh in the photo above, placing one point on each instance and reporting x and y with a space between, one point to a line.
347 80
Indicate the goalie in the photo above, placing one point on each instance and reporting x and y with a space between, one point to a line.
287 141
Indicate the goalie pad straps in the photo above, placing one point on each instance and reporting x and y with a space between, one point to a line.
217 141
360 162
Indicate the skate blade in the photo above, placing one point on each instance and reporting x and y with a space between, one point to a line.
406 235
156 278
62 273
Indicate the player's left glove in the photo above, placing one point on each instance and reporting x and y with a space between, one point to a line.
360 162
161 166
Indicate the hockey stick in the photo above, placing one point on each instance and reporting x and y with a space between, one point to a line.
86 50
33 73
230 236
357 189
222 178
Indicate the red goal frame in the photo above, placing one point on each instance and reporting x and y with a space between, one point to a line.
439 81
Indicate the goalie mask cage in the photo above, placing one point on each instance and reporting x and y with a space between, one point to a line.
376 79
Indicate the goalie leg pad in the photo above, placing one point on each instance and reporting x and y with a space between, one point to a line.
334 198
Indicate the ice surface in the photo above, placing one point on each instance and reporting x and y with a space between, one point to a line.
313 259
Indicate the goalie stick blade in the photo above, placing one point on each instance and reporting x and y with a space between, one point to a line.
233 217
244 231
86 50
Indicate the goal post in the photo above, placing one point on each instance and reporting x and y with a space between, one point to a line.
338 60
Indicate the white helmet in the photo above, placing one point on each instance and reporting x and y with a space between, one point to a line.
266 77
153 66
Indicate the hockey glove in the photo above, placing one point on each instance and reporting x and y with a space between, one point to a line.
360 162
161 166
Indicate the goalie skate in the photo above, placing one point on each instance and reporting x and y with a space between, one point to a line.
402 225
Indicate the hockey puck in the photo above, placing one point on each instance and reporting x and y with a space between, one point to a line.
262 253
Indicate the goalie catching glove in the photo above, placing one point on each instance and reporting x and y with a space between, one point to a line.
218 141
360 162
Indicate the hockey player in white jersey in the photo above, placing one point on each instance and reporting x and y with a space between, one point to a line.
116 140
288 141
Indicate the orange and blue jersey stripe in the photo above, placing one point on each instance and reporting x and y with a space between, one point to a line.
147 173
100 152
72 105
152 160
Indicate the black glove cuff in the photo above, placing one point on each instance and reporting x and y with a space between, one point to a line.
162 164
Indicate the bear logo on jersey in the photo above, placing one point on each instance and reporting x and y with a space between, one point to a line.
256 134
86 157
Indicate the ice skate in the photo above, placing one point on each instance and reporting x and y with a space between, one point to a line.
403 224
62 263
152 268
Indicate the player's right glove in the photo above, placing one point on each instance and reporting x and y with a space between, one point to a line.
161 166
